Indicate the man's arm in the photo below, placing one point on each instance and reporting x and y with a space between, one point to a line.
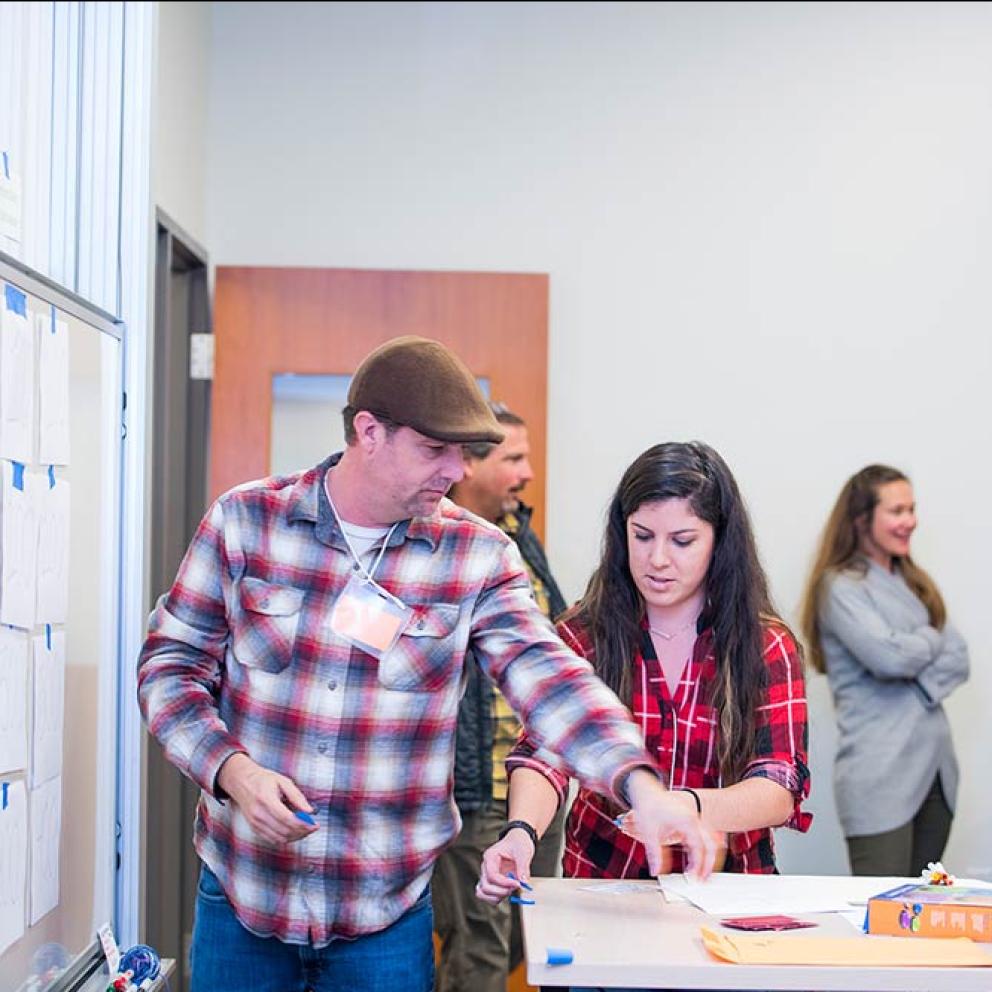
180 669
180 680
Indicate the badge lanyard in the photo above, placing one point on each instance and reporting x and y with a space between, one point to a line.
365 614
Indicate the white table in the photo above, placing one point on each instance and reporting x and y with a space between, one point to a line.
637 940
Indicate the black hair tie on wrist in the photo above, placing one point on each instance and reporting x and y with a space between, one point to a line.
695 796
522 825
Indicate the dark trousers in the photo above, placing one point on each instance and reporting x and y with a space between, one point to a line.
480 943
908 849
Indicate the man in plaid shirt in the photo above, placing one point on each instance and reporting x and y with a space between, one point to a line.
305 671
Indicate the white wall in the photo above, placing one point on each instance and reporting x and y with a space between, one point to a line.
179 140
767 226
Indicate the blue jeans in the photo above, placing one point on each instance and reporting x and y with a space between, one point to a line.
228 958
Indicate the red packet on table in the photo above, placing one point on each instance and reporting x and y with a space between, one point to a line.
765 923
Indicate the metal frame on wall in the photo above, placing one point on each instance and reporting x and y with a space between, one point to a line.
89 961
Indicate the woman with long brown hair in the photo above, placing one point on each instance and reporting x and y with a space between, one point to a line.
876 623
677 621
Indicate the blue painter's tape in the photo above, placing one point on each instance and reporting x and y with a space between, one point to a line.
51 476
559 955
16 301
6 166
48 635
5 787
18 475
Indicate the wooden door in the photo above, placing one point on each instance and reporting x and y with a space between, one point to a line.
324 321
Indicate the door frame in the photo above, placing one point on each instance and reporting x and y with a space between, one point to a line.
180 451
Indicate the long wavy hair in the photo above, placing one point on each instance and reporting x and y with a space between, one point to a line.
737 598
840 551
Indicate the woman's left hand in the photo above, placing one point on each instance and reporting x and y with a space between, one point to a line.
505 866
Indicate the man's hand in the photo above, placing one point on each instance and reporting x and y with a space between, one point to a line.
262 796
513 853
664 817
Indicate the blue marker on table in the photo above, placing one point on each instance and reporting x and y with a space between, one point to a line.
305 817
559 955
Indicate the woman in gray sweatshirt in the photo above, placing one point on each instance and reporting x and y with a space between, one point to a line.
875 622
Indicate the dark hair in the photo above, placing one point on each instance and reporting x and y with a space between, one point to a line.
348 416
737 591
504 415
840 550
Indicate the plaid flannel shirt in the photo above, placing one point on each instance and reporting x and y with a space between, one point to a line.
240 658
681 733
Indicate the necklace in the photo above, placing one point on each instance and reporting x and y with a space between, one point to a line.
665 635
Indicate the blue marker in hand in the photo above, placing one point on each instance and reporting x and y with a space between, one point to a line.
523 885
305 817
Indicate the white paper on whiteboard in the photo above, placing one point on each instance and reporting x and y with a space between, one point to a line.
16 381
19 550
45 816
13 861
52 561
11 202
13 700
53 396
48 710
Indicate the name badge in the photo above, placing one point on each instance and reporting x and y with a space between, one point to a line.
368 617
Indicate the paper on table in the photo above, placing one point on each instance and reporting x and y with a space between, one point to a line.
622 887
726 894
48 684
53 397
13 861
875 952
16 377
13 700
20 546
46 825
53 552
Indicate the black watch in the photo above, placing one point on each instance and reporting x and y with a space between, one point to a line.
521 825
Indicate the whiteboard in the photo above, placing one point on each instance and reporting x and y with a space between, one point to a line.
67 781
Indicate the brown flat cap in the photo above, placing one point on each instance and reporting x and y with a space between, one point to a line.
419 383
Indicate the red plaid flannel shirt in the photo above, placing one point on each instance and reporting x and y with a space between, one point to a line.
240 658
681 734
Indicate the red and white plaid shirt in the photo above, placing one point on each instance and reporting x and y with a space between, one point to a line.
240 658
681 733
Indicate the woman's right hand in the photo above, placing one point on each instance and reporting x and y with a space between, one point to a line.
513 854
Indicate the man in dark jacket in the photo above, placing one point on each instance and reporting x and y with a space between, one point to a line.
480 943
